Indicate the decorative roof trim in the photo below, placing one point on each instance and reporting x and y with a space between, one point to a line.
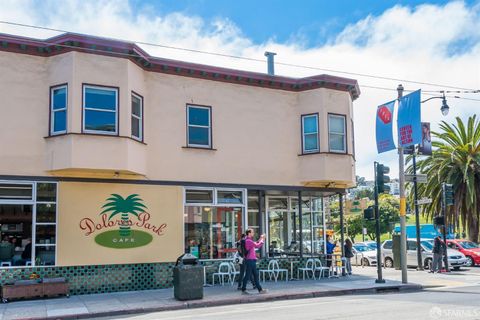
95 45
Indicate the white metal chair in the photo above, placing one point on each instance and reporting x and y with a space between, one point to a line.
269 271
224 270
233 272
277 271
319 267
309 268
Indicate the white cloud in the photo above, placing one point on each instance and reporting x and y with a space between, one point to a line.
428 43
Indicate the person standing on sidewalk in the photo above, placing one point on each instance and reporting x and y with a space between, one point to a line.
330 248
437 254
243 253
348 255
251 261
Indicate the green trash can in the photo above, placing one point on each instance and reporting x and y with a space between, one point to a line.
187 278
396 251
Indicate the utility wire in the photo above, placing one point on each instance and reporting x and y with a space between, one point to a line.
246 58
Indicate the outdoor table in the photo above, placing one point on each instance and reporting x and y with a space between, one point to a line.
291 269
205 284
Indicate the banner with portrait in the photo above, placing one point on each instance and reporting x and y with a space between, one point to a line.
425 148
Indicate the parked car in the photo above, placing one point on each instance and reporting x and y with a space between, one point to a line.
456 259
363 255
470 249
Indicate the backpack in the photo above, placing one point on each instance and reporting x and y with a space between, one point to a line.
242 250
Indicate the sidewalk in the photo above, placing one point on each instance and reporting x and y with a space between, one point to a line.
121 303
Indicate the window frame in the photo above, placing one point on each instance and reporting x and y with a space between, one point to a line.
210 139
302 120
344 117
117 109
52 111
140 119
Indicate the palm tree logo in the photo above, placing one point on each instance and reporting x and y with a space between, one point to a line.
130 205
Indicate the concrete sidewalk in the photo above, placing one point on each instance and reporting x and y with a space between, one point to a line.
121 303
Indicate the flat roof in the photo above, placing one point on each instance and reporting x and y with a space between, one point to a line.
128 50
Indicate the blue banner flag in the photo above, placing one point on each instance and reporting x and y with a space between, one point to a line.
384 127
409 122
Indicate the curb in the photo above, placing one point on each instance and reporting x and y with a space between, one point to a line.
196 304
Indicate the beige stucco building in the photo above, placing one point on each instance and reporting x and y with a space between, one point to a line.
203 151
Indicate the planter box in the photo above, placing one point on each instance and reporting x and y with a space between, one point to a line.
28 289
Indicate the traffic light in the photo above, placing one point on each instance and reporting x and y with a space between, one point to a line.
448 194
368 213
439 221
381 178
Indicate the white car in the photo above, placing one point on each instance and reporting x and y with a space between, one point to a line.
456 259
363 255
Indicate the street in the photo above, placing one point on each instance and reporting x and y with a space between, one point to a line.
455 297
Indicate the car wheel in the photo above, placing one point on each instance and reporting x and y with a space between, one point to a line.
470 262
388 263
365 262
427 264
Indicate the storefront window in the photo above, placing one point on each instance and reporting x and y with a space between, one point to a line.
253 210
198 196
230 197
17 191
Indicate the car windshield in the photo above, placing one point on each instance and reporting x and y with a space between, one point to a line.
427 245
372 245
468 245
361 248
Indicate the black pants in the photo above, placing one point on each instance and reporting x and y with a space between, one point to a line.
243 268
251 269
329 260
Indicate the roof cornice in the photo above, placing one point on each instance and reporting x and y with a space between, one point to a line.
127 50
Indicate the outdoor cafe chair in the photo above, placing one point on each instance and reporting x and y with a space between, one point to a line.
319 267
270 271
224 271
233 272
309 268
277 271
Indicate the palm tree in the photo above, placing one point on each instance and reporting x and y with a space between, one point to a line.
456 160
130 205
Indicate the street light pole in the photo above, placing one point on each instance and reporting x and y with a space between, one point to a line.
417 215
403 205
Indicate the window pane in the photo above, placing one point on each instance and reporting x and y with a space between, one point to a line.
336 124
100 98
199 196
230 197
45 234
100 120
16 191
310 124
336 142
136 106
47 192
198 116
46 213
136 127
198 136
59 121
280 204
311 142
59 98
45 256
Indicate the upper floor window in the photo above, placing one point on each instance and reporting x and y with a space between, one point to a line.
310 133
100 109
199 126
337 133
137 117
58 109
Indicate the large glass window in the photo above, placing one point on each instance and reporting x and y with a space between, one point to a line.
310 133
100 108
137 117
336 133
28 217
58 109
199 126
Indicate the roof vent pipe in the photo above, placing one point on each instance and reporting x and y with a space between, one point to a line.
270 56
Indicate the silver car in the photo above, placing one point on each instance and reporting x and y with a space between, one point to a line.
456 259
363 255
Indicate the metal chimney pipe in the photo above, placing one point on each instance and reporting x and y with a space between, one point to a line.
270 63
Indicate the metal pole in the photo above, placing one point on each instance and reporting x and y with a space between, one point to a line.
300 229
403 205
342 234
444 210
417 216
377 229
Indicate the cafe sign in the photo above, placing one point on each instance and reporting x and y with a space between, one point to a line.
123 223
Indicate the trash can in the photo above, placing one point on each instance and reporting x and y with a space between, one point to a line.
187 278
396 251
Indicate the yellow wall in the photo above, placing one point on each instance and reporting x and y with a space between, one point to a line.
78 200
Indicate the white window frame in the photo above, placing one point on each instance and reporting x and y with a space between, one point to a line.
317 149
52 111
138 118
33 202
209 127
84 108
344 118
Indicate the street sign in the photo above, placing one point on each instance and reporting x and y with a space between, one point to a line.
424 201
421 178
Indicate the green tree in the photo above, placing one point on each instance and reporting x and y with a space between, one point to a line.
364 193
389 210
456 160
130 205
